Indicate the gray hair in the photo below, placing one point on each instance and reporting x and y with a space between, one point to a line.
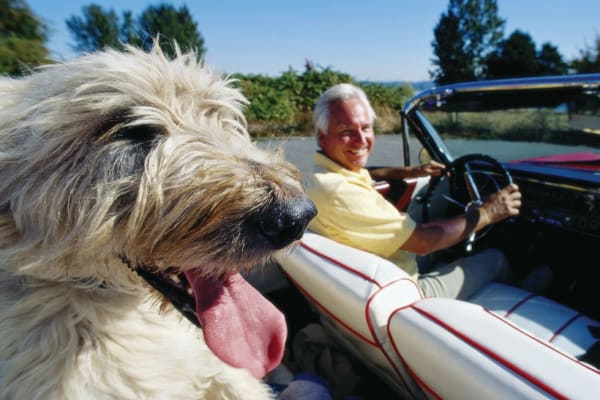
342 91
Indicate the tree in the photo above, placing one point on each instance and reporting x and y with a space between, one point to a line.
169 24
463 38
98 29
589 60
550 61
22 38
129 33
517 56
514 57
453 64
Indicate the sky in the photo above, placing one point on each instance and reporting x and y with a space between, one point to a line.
376 40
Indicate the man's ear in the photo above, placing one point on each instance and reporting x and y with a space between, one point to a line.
321 138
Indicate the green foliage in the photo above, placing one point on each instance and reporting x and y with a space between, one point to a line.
98 29
550 61
18 55
128 32
468 46
171 26
388 98
267 102
534 125
464 36
314 81
22 38
452 62
387 102
589 59
517 56
284 104
514 56
16 18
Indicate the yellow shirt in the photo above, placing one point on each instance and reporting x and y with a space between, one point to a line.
352 212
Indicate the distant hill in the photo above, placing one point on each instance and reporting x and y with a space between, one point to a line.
418 86
422 85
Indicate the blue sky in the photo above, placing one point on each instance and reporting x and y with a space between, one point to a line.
380 40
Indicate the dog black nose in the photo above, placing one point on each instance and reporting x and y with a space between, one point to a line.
286 223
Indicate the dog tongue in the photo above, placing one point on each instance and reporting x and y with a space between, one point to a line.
240 326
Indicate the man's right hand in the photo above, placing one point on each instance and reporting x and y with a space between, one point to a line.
501 205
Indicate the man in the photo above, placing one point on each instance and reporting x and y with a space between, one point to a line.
352 212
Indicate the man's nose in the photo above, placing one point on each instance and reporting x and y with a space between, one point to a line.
360 137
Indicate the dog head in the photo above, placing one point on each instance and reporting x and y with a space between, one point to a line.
133 158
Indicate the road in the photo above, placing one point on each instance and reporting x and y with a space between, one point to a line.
388 150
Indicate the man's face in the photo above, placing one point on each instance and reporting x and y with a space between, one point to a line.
350 137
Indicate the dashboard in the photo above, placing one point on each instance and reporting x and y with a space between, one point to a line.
568 207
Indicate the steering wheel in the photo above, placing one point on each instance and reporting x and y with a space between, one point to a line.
472 178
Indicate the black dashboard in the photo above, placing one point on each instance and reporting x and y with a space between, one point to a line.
567 207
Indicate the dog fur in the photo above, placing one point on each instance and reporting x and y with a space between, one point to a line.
115 162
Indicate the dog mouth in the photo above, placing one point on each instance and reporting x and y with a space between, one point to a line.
240 326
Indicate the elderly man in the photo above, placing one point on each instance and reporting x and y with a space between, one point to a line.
352 212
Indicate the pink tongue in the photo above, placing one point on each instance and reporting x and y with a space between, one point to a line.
240 326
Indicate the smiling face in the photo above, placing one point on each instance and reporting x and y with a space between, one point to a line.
350 137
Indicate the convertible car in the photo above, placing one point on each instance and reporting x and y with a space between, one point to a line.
505 342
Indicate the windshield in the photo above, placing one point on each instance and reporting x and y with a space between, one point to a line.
519 131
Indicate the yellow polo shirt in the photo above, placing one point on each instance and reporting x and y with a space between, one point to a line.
352 212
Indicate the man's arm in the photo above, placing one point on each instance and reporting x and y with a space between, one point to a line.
432 168
437 235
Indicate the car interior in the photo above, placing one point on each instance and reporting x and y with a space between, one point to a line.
504 342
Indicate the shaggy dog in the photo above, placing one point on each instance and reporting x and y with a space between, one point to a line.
126 179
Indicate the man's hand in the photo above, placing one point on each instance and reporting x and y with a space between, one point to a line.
440 234
432 168
501 205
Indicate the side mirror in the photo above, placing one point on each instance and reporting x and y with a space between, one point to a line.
424 156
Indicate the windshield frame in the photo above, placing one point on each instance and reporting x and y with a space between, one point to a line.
527 91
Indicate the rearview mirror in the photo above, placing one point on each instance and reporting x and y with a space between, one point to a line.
424 156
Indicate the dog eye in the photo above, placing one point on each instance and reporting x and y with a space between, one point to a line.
138 133
118 127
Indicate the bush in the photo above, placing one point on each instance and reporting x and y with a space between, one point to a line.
283 105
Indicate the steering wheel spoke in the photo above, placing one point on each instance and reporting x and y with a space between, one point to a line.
470 183
453 201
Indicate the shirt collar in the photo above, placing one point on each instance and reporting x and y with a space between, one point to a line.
322 161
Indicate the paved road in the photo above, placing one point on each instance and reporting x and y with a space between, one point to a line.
388 149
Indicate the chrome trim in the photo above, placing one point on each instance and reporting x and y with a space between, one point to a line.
584 81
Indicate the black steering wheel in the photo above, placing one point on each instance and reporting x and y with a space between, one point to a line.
471 179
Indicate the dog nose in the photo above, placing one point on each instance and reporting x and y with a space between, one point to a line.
286 223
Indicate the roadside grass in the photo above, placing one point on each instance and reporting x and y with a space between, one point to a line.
537 125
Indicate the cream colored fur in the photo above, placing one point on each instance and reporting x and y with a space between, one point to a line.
122 155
